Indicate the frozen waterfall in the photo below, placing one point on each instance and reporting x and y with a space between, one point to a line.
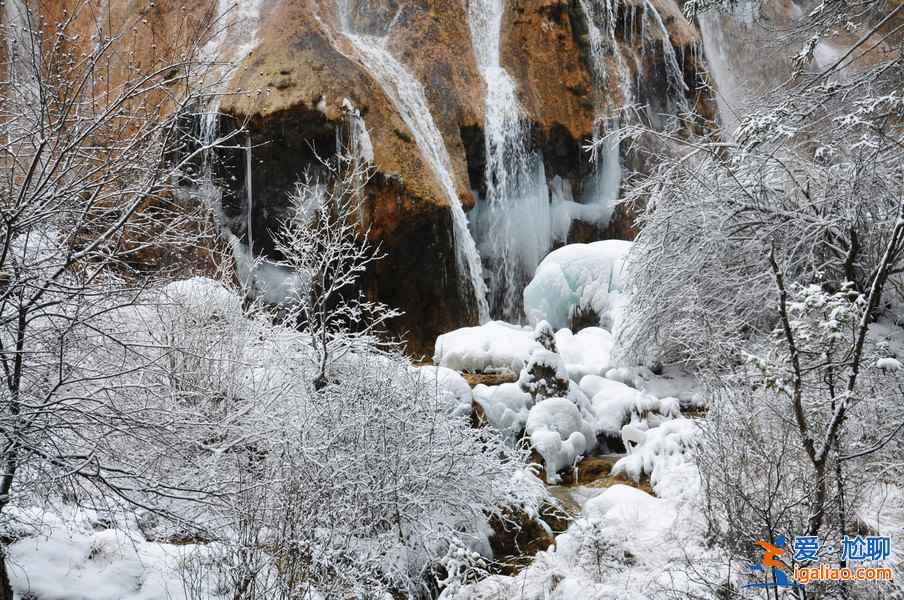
512 222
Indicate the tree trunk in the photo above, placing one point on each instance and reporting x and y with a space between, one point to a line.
6 590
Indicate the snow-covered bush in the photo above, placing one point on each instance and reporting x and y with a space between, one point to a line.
372 483
322 244
544 375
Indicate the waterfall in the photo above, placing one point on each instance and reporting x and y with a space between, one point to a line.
675 76
599 44
235 29
407 95
716 48
235 32
513 221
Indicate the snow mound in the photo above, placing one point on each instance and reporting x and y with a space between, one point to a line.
889 364
450 387
615 404
71 561
492 346
506 406
661 448
559 434
577 278
636 377
585 352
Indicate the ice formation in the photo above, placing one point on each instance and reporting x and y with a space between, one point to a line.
577 279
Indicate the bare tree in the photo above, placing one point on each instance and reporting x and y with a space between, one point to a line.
95 208
325 243
767 264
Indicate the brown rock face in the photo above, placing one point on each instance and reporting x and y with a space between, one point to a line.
289 91
540 50
298 60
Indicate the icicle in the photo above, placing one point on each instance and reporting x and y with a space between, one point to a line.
250 216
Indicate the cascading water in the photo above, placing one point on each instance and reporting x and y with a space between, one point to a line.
730 94
599 45
235 32
234 36
677 90
601 16
513 221
407 95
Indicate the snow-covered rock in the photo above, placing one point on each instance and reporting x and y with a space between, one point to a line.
492 346
559 434
614 404
585 352
659 448
578 277
636 377
505 406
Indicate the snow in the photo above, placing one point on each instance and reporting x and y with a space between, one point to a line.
659 448
889 364
533 377
72 561
578 277
559 434
635 377
450 387
675 382
585 352
626 543
506 406
492 346
202 297
498 346
882 510
614 404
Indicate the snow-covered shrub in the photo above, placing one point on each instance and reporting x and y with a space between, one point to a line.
575 278
544 375
373 482
322 243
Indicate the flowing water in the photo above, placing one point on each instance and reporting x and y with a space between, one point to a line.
407 95
512 222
